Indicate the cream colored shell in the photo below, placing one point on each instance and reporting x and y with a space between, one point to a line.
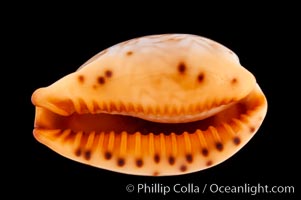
173 82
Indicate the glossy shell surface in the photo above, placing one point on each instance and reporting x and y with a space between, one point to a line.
156 105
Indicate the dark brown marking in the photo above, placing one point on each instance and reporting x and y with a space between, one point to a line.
201 77
108 73
236 140
87 155
209 163
81 78
156 173
182 68
139 163
189 158
108 155
219 146
101 80
120 162
252 129
205 152
234 81
183 168
78 152
171 160
157 158
129 53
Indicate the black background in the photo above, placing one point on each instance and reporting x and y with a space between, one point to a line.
47 47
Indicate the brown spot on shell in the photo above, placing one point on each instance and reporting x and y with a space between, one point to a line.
108 155
234 81
205 152
181 68
81 78
120 162
157 158
108 73
252 129
101 80
78 152
236 140
189 158
171 160
87 155
129 53
139 163
183 168
156 173
219 146
209 163
201 77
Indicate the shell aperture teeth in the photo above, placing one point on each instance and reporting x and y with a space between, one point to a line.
163 114
135 122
